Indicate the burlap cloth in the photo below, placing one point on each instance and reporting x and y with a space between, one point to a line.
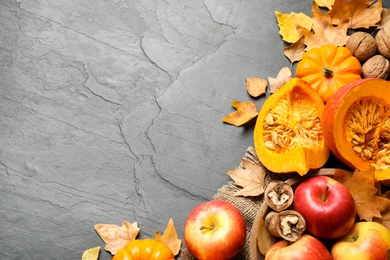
248 206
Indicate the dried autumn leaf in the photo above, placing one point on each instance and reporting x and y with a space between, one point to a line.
250 178
295 51
325 3
385 219
385 20
256 86
245 112
362 187
287 25
360 13
91 254
169 238
117 237
282 78
324 30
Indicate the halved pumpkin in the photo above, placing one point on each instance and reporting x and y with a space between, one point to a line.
356 126
288 135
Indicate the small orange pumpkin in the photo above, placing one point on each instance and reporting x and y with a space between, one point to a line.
288 135
144 249
356 126
328 68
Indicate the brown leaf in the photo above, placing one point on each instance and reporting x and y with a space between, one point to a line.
256 86
245 112
117 237
362 187
295 51
385 20
324 30
91 254
169 238
360 13
282 78
250 178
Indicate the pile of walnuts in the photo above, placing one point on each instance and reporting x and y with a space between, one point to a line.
372 52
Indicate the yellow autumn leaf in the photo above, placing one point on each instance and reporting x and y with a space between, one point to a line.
256 86
325 3
91 254
245 112
250 178
288 22
169 238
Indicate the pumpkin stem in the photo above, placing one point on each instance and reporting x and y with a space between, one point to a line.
328 74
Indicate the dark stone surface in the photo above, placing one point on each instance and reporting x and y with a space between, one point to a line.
111 111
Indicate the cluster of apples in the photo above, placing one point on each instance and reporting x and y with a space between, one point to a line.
216 230
331 228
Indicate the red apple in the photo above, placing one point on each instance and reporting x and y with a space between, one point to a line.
326 205
215 230
306 248
365 240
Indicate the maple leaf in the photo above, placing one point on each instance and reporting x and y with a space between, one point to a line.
287 25
325 3
91 254
362 187
250 178
295 51
256 86
360 13
282 78
385 20
324 30
245 112
117 237
169 237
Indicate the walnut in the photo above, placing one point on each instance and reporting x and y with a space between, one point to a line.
376 67
362 45
383 41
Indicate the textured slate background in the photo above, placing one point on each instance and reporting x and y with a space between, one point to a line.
111 111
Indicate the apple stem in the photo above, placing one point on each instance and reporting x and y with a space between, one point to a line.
324 195
206 227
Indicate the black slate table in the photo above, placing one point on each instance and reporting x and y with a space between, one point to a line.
111 111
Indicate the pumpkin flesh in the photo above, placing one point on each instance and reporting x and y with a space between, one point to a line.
288 136
356 126
145 249
328 68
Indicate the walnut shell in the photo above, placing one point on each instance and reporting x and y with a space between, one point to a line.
376 67
383 41
362 45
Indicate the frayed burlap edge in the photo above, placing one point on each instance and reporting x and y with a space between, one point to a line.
248 206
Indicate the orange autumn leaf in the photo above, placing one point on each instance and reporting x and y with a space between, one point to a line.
362 187
295 51
324 32
169 238
282 78
256 86
117 237
360 13
245 112
250 178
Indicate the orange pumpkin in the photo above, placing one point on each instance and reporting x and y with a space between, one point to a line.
288 135
328 68
144 249
356 126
